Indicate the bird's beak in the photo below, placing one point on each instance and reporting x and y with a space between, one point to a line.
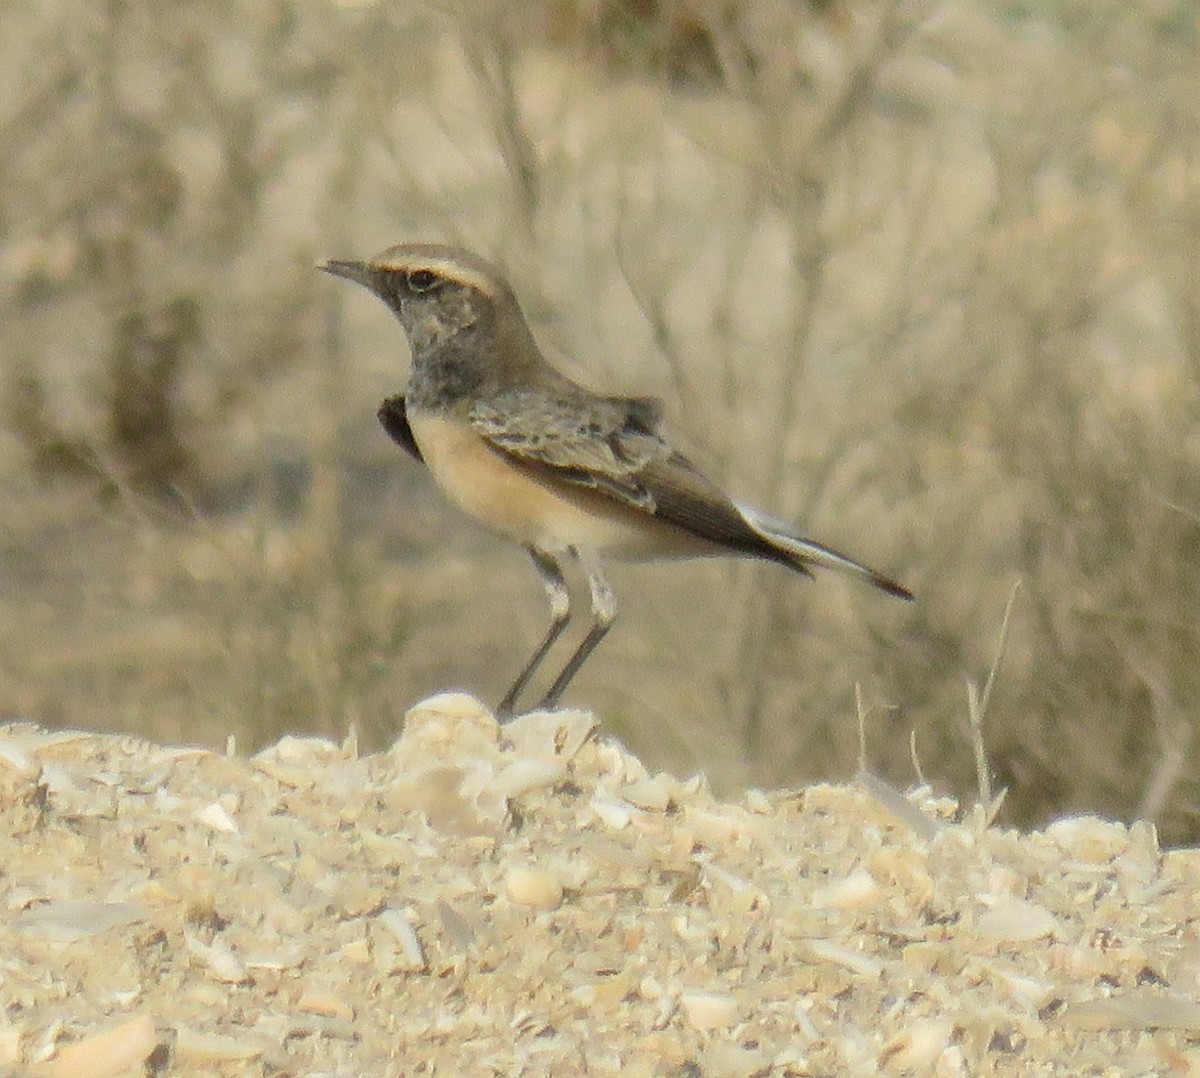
352 271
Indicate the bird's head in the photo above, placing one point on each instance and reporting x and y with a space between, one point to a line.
437 292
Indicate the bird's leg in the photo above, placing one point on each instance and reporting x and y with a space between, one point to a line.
604 612
560 613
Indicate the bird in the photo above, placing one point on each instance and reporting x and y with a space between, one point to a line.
565 472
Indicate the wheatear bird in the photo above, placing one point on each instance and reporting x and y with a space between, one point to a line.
538 458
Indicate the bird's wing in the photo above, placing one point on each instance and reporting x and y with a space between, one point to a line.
612 445
598 442
394 418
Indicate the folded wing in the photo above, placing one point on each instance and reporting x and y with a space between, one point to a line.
612 445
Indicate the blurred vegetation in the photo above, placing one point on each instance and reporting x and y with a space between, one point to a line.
922 276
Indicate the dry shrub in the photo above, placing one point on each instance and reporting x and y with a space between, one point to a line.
919 276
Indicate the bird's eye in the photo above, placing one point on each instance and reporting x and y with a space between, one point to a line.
422 281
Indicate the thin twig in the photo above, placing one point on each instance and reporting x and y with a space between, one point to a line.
991 678
861 712
977 706
983 775
916 760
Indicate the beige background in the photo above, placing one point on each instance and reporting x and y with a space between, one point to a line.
920 277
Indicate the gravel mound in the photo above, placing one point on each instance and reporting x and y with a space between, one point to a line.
528 900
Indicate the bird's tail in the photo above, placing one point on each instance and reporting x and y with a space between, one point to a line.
804 554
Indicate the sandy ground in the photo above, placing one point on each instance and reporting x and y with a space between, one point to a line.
528 900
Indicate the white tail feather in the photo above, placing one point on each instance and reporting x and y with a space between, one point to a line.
780 535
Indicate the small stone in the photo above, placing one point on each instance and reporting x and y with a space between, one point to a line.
708 1010
112 1052
215 816
550 735
195 1046
1089 839
326 1003
654 794
447 726
219 959
533 887
1013 920
398 924
857 889
918 1047
611 810
758 802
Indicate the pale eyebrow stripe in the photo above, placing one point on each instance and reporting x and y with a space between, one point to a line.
444 267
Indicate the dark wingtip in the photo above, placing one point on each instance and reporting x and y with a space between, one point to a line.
393 415
892 588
